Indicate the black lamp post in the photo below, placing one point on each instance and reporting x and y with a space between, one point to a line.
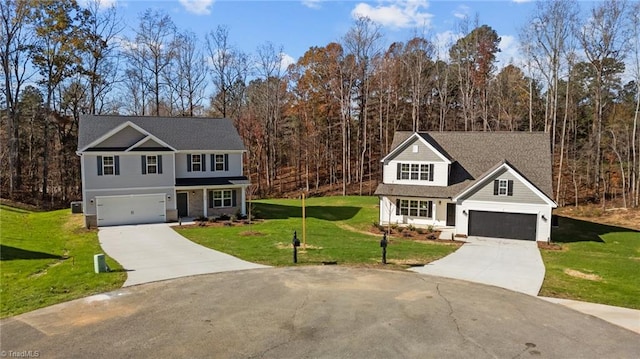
296 244
383 244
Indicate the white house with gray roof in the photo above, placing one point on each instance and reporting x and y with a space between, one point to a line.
157 169
489 184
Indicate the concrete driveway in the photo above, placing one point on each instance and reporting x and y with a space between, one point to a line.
508 263
314 312
153 252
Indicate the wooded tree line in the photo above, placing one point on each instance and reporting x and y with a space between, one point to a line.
328 118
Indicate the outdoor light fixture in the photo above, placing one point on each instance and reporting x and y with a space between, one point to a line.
91 201
544 218
168 198
464 211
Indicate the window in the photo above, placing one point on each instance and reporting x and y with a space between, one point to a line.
503 186
152 164
404 171
415 149
219 163
221 198
415 208
196 166
424 172
415 172
108 165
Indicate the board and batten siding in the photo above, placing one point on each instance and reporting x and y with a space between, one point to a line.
521 193
126 137
424 153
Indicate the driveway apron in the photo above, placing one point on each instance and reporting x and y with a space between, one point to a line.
508 263
154 252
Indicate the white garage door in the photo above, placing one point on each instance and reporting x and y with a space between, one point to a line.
133 209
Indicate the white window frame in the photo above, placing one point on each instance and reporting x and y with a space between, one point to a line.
424 172
414 171
110 167
196 160
503 187
222 199
414 208
152 168
405 171
219 162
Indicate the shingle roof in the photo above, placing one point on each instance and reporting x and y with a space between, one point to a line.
476 153
182 133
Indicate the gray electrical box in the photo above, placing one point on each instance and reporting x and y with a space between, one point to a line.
100 263
76 207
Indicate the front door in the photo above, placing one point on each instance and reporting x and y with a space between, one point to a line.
451 214
183 207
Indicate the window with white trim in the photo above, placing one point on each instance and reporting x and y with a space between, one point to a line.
219 163
108 165
503 186
196 164
404 171
415 171
222 199
415 208
424 172
152 164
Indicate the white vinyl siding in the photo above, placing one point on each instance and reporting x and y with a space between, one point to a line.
127 172
518 193
234 165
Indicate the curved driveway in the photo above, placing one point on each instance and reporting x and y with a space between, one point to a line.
153 252
508 263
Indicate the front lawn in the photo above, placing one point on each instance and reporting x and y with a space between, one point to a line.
597 263
47 258
337 231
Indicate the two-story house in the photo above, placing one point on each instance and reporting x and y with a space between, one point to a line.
156 169
489 184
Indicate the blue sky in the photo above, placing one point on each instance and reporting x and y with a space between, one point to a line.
297 25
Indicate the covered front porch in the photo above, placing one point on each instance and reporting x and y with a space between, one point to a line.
211 197
418 212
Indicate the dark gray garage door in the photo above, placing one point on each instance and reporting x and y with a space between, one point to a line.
502 225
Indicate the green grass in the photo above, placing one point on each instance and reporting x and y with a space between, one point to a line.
337 231
597 263
47 258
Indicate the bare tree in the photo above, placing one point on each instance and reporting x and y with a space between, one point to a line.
603 39
14 41
188 74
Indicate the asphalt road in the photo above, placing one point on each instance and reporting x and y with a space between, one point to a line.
314 312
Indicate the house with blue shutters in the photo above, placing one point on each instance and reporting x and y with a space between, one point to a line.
488 184
157 169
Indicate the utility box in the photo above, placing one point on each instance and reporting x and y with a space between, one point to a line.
100 263
76 207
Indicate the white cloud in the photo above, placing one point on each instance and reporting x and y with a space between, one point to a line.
286 60
510 52
102 4
462 12
443 42
400 14
198 7
312 4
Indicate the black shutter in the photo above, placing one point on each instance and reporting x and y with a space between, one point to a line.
226 162
430 173
397 207
233 198
99 165
213 163
203 162
399 170
188 163
143 161
495 187
510 188
210 199
159 164
116 164
430 209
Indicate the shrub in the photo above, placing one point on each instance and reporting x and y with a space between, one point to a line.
420 230
201 219
411 228
224 217
430 228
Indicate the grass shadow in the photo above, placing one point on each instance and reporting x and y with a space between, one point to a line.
8 253
327 213
572 230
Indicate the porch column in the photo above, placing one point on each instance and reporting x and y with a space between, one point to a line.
435 205
204 202
243 201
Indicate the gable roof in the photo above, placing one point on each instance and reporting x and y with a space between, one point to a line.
475 154
180 133
435 147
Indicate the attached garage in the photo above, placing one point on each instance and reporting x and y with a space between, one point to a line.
131 209
503 225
